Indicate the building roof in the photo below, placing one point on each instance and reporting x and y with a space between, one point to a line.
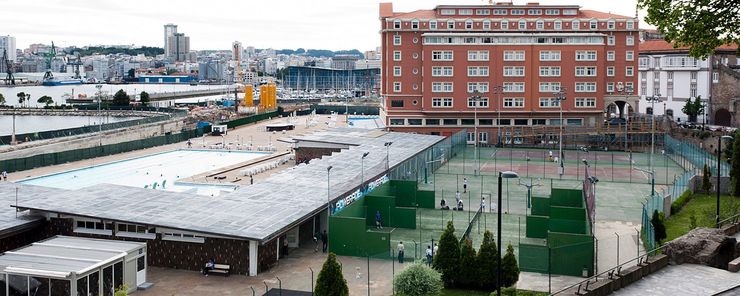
62 256
664 46
431 13
585 13
257 212
9 224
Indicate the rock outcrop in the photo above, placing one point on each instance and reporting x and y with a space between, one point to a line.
707 246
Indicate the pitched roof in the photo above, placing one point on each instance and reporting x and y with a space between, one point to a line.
585 13
662 45
420 14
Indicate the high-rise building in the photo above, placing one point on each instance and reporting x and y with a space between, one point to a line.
7 43
169 31
517 57
179 47
236 51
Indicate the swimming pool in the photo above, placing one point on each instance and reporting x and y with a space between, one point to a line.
368 122
171 171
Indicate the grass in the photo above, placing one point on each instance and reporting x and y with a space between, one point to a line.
704 208
455 292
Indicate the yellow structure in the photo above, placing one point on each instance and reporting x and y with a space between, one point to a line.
248 96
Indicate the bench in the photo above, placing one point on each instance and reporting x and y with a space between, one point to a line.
223 269
734 265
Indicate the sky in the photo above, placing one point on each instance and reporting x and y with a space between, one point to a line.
215 24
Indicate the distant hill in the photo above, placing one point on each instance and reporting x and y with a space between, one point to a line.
147 51
320 52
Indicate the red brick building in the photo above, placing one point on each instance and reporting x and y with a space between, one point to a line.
516 56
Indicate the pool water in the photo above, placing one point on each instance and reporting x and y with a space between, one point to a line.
171 171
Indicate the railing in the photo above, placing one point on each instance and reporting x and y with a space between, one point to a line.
732 220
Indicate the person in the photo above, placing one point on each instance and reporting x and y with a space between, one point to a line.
400 252
550 156
429 255
190 144
285 246
251 180
378 220
316 241
457 196
443 205
460 205
209 266
482 204
434 250
465 185
5 175
325 240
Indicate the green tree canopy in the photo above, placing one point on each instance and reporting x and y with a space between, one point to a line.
735 165
21 98
487 258
700 25
46 100
144 98
509 268
467 276
131 73
121 98
331 282
693 108
445 260
418 280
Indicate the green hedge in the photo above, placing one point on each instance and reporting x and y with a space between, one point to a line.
681 201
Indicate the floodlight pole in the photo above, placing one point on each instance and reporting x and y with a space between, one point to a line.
560 97
652 100
328 201
388 157
501 175
475 98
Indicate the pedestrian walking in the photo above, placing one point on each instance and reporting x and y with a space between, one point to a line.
251 180
325 240
465 185
4 175
190 144
457 196
429 255
482 204
434 250
400 252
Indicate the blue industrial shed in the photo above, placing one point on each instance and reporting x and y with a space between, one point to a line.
165 79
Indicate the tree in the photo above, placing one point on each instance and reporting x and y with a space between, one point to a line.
658 222
445 260
331 282
121 98
467 276
21 98
700 25
509 268
486 262
693 109
46 100
2 100
144 98
418 280
171 71
131 73
706 185
735 166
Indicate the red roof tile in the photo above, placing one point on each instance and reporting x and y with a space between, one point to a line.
420 14
585 13
662 45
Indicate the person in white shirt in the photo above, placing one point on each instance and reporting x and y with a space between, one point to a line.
400 252
429 255
465 185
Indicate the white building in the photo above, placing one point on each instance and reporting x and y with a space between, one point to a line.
169 31
7 43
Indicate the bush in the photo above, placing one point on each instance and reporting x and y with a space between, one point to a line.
658 222
706 185
467 277
446 258
331 282
511 291
510 268
417 280
681 201
121 291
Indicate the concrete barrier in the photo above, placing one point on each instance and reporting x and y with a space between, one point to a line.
626 277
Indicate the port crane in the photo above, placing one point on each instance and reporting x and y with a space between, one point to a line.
9 79
75 62
50 56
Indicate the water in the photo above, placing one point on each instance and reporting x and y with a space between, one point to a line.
56 92
37 123
171 171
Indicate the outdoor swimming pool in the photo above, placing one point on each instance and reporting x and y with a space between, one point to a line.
368 122
171 171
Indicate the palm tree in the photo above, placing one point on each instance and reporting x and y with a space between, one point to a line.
28 100
21 98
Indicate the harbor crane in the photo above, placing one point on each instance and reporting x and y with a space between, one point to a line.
9 79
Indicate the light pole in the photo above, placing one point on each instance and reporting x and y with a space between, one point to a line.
652 100
498 90
719 172
475 98
328 201
529 191
362 165
626 91
388 157
501 176
560 97
100 118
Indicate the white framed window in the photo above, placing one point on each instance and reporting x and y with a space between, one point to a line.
93 227
570 11
630 40
585 55
610 55
693 75
486 25
465 11
610 87
396 71
447 11
396 39
184 237
715 77
441 87
549 55
593 25
468 25
629 55
478 71
513 55
135 231
522 25
504 24
414 25
630 25
575 25
442 55
549 86
517 12
610 71
610 25
396 87
585 71
540 25
397 24
585 102
482 103
552 11
558 25
450 24
610 40
551 71
629 71
432 25
477 55
500 12
479 86
534 11
483 12
442 71
513 102
629 86
514 87
549 103
441 102
585 86
397 55
514 71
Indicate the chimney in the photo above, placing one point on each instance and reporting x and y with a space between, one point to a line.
533 4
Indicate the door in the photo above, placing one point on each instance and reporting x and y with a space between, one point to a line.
141 268
292 236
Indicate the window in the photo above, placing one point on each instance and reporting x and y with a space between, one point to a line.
396 87
432 25
397 24
486 25
574 121
468 25
397 55
549 86
540 25
449 122
585 86
479 86
499 12
95 227
513 87
513 102
630 25
575 25
693 90
431 121
610 87
188 237
629 87
415 24
397 103
522 25
558 25
482 103
396 71
483 11
517 12
593 25
534 12
585 103
480 71
629 55
610 40
414 121
549 103
442 55
396 39
585 71
441 86
629 71
477 55
610 25
504 24
442 71
517 71
450 24
552 12
610 55
447 12
586 55
630 40
442 103
715 77
513 55
693 75
570 11
465 12
549 55
550 71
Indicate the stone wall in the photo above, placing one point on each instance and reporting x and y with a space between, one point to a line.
725 94
724 184
304 155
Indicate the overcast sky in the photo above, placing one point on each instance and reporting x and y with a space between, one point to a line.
215 24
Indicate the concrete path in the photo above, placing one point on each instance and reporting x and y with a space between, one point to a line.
685 279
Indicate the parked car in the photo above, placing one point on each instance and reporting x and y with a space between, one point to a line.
615 121
689 125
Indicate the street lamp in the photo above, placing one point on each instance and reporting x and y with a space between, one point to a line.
498 90
652 100
328 201
362 165
719 172
626 91
475 99
501 176
560 97
529 191
388 157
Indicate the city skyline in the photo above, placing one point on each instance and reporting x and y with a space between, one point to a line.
287 24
